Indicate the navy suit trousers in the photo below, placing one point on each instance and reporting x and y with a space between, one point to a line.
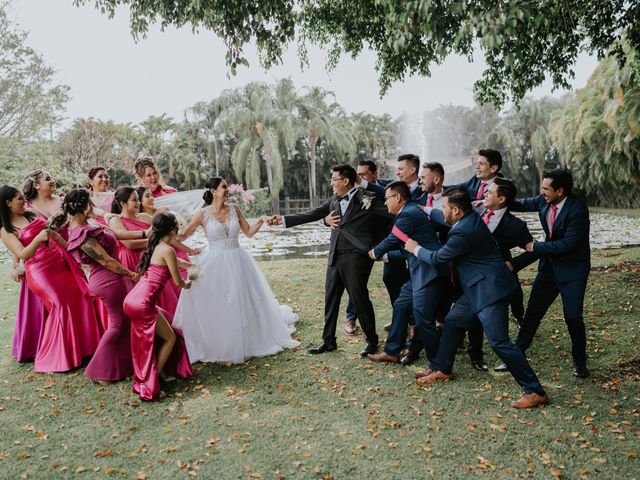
394 275
495 322
543 293
423 302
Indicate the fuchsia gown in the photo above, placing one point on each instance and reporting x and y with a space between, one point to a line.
112 360
71 329
140 306
131 259
29 317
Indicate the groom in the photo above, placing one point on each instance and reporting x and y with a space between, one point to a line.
349 264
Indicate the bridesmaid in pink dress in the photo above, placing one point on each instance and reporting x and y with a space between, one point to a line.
97 246
100 194
158 350
66 336
30 312
148 175
127 204
182 251
29 316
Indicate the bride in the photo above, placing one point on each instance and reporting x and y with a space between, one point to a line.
230 313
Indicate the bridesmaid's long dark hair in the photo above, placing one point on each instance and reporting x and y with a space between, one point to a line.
140 191
122 195
75 201
7 194
162 224
212 183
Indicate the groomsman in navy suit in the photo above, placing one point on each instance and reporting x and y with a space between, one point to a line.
394 272
509 232
424 290
487 285
565 262
407 171
488 166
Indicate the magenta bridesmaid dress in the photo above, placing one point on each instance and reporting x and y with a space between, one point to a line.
141 307
131 259
71 329
112 360
26 331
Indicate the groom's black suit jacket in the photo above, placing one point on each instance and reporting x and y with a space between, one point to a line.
358 229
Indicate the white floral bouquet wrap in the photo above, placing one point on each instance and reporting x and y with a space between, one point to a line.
194 273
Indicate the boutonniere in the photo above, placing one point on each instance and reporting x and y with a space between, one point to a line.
366 202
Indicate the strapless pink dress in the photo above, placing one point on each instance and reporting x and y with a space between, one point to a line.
71 329
131 259
141 306
112 360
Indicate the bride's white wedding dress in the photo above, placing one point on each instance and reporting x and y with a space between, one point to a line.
230 314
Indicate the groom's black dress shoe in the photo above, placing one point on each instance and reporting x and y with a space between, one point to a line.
479 365
369 348
581 371
324 347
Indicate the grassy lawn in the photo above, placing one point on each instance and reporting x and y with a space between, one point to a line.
337 415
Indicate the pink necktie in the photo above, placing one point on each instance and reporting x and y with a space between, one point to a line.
487 216
430 201
480 194
552 218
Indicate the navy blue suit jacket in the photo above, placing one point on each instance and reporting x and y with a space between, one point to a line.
412 221
568 249
417 195
481 271
472 185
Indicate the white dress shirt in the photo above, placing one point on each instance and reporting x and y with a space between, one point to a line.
548 214
494 219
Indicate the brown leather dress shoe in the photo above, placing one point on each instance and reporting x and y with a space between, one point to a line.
383 357
530 400
350 327
387 327
424 373
435 377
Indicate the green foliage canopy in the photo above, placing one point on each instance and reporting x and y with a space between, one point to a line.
523 42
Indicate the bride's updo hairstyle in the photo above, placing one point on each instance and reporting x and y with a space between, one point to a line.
75 201
162 224
122 195
212 183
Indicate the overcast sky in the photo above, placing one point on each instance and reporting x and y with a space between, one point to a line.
113 78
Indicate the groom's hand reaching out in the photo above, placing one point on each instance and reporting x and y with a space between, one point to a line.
275 220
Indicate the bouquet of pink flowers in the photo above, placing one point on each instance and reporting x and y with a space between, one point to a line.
238 195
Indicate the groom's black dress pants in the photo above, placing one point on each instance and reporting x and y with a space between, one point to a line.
350 270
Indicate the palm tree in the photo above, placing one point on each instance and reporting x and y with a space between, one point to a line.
262 130
375 136
321 120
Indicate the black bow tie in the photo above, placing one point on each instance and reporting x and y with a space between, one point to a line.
346 197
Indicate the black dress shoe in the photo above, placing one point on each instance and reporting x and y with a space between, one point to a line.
369 348
581 371
479 365
409 358
324 347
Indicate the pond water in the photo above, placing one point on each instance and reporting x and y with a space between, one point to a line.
312 240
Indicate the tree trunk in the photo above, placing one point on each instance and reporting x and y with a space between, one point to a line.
313 192
275 203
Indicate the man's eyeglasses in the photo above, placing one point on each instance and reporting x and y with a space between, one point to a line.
335 179
387 197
